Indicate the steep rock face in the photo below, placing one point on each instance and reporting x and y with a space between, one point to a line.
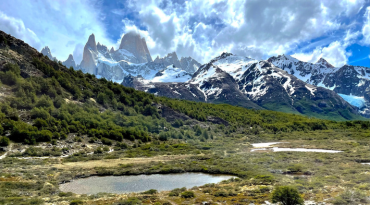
255 84
189 65
46 52
349 80
90 54
133 43
70 62
169 59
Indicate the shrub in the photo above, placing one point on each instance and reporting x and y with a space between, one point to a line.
187 194
221 194
150 191
130 201
76 202
8 78
4 141
287 195
177 191
65 194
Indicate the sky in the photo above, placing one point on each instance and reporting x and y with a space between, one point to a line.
337 30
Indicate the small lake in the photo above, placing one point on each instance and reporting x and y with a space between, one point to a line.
139 183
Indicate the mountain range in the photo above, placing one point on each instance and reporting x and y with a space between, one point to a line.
280 83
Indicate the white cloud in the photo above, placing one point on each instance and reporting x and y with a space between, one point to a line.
366 27
197 28
335 53
17 28
61 25
255 28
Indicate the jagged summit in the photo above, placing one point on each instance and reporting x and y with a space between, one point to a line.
46 52
111 50
91 44
325 63
169 59
133 43
70 62
88 63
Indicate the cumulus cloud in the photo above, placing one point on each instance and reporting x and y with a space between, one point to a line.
197 28
335 54
17 28
255 28
61 25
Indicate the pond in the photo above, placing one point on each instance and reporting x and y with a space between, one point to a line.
139 183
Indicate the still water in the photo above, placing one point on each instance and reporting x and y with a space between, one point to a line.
139 183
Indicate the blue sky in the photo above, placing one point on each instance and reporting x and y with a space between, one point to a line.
337 30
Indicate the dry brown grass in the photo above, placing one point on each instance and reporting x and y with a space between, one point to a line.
117 162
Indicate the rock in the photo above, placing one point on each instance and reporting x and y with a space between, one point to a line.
70 62
46 52
189 65
169 59
88 63
136 45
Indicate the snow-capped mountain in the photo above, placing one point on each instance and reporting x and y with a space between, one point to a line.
347 80
46 52
250 83
70 62
132 58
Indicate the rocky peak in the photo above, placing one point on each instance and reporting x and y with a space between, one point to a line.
136 45
102 48
46 52
325 63
88 63
111 50
189 64
91 44
70 62
169 59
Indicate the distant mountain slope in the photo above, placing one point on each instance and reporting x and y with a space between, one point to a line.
348 80
247 82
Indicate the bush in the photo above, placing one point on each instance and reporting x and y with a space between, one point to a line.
177 191
4 141
187 194
65 194
130 201
8 78
287 195
221 194
76 202
150 191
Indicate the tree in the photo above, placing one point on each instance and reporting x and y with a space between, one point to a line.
287 195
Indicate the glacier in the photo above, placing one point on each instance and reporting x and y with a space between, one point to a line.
354 100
